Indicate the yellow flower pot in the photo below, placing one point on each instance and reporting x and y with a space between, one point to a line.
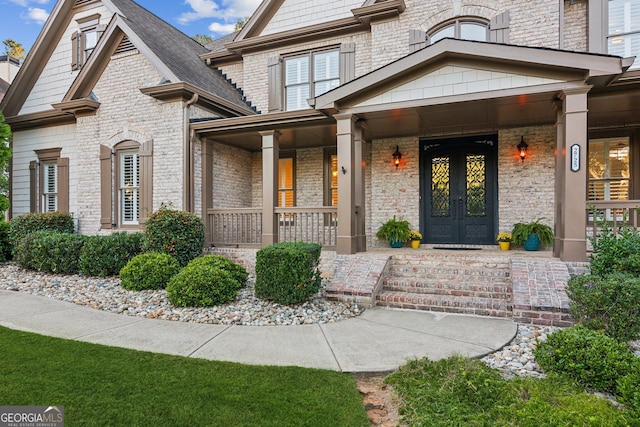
415 244
504 246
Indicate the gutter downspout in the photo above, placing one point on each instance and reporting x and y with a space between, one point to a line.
187 152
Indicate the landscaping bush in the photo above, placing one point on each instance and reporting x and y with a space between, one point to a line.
177 233
288 273
201 284
106 255
50 252
610 303
629 390
591 358
148 271
5 244
22 225
615 250
238 272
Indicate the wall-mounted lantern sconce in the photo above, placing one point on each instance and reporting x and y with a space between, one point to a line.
397 155
522 149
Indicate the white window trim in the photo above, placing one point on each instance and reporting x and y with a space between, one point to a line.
46 195
135 189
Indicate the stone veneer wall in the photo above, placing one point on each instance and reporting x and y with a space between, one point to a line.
232 177
125 111
575 26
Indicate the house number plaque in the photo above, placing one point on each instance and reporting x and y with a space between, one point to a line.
575 158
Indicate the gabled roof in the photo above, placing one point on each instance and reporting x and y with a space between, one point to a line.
587 68
4 86
174 53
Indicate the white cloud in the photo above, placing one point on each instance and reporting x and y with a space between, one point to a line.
25 3
225 13
37 15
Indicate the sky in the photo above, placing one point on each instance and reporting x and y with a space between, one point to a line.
22 20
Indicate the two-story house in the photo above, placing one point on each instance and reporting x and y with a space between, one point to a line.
319 120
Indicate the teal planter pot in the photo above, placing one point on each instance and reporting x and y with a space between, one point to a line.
532 243
396 244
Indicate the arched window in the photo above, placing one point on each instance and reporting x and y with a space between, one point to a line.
468 28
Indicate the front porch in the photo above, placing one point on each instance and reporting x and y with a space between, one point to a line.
528 287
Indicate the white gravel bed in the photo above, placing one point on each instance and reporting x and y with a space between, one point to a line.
107 294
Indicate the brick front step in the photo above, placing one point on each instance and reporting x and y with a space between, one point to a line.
460 287
445 303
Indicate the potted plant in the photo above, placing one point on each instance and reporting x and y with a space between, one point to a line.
504 240
532 234
395 231
416 237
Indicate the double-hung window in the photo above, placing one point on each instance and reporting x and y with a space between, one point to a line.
129 187
623 36
286 183
310 75
49 187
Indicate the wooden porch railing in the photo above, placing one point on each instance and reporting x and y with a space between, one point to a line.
242 227
615 212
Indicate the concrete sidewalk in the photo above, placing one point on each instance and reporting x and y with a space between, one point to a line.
378 340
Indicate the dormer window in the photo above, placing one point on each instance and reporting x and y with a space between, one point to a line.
462 28
85 40
623 36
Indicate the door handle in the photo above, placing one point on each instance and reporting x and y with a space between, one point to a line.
461 206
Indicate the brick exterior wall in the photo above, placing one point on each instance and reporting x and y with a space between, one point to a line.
126 113
575 26
232 177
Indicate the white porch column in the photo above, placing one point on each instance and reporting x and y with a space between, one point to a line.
270 155
346 137
570 242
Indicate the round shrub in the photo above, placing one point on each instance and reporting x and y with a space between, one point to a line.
610 303
50 252
288 273
200 284
5 244
238 272
106 255
591 358
177 233
148 271
25 224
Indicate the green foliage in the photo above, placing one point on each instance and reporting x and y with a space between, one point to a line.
14 49
5 244
589 357
106 255
615 250
238 272
50 251
202 284
608 303
462 392
22 225
394 230
148 271
5 155
177 233
629 390
287 272
203 39
522 230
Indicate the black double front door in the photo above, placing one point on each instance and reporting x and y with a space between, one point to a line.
458 190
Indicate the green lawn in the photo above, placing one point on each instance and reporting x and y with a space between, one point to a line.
107 386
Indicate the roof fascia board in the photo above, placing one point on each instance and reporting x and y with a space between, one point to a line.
286 119
448 48
99 59
185 91
40 119
78 106
373 11
259 19
38 57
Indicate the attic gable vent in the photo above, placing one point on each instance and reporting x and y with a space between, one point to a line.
125 46
80 3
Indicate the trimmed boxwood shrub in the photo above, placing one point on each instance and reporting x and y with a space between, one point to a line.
288 273
148 271
238 272
50 252
22 225
591 358
5 244
106 255
615 250
177 233
610 303
201 284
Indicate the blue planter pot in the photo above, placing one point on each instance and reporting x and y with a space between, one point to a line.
532 243
396 244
